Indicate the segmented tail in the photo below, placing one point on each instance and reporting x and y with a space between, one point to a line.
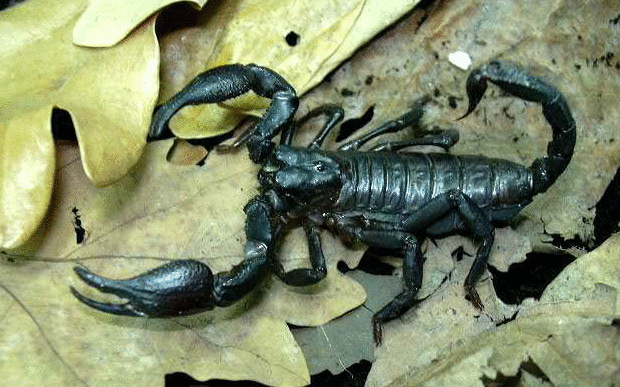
545 170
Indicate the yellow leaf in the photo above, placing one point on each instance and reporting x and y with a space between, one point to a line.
252 31
104 23
109 93
26 174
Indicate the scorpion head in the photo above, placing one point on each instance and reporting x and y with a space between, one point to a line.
309 176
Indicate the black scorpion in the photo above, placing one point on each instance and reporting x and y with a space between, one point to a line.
380 197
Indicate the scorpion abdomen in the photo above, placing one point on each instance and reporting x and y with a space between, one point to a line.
401 183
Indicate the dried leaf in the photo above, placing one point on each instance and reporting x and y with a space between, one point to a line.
49 339
569 335
570 350
251 31
26 175
509 247
442 320
566 44
347 339
104 23
184 153
593 278
109 93
562 40
164 211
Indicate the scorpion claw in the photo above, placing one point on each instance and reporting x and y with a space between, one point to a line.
107 286
118 309
177 288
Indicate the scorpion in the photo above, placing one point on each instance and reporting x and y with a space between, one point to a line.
382 197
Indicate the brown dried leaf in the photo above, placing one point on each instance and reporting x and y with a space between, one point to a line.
561 41
594 277
569 349
184 153
566 43
443 320
569 335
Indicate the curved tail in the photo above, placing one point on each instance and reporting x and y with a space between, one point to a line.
545 170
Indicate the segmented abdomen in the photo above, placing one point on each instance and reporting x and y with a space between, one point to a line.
403 182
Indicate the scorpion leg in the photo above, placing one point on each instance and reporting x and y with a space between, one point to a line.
413 263
188 286
411 118
305 276
334 115
226 82
433 214
412 273
441 138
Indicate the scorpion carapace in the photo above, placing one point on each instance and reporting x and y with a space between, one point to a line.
381 197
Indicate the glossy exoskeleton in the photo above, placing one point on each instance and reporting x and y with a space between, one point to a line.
381 197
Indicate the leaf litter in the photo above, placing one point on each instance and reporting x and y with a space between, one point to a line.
562 42
478 337
135 212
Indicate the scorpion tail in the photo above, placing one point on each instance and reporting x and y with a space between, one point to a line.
515 81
